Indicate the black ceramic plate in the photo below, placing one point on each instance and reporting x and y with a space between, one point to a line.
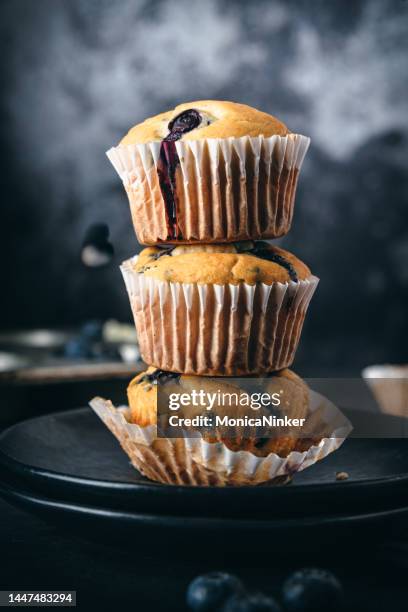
72 458
149 531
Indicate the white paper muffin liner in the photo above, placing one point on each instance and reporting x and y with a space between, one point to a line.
227 189
217 330
193 461
389 384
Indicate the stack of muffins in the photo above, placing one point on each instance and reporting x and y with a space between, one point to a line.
207 182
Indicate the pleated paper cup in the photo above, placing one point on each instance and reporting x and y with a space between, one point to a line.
226 190
195 462
217 330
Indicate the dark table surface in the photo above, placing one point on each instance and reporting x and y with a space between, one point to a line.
37 556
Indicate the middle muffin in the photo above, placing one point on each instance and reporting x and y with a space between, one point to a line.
223 310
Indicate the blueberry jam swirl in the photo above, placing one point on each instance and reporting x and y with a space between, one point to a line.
160 377
163 251
262 250
168 161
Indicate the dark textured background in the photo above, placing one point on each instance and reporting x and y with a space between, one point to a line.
76 74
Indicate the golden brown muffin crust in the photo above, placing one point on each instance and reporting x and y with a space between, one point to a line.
294 393
220 119
142 394
217 264
142 398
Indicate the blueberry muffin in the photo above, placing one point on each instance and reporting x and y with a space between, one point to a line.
142 390
292 391
211 457
210 171
218 310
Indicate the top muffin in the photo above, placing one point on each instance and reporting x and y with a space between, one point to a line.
209 119
210 171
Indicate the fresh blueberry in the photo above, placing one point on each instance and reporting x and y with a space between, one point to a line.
77 348
256 602
207 593
312 590
92 330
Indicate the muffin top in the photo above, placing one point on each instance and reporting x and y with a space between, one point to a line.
142 392
206 119
220 264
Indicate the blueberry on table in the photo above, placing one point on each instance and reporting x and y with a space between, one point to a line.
92 330
312 590
256 602
77 348
207 593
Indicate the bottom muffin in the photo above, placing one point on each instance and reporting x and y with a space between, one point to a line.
222 456
293 396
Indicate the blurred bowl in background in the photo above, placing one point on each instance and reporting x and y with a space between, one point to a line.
10 362
129 353
389 384
34 338
115 332
92 351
